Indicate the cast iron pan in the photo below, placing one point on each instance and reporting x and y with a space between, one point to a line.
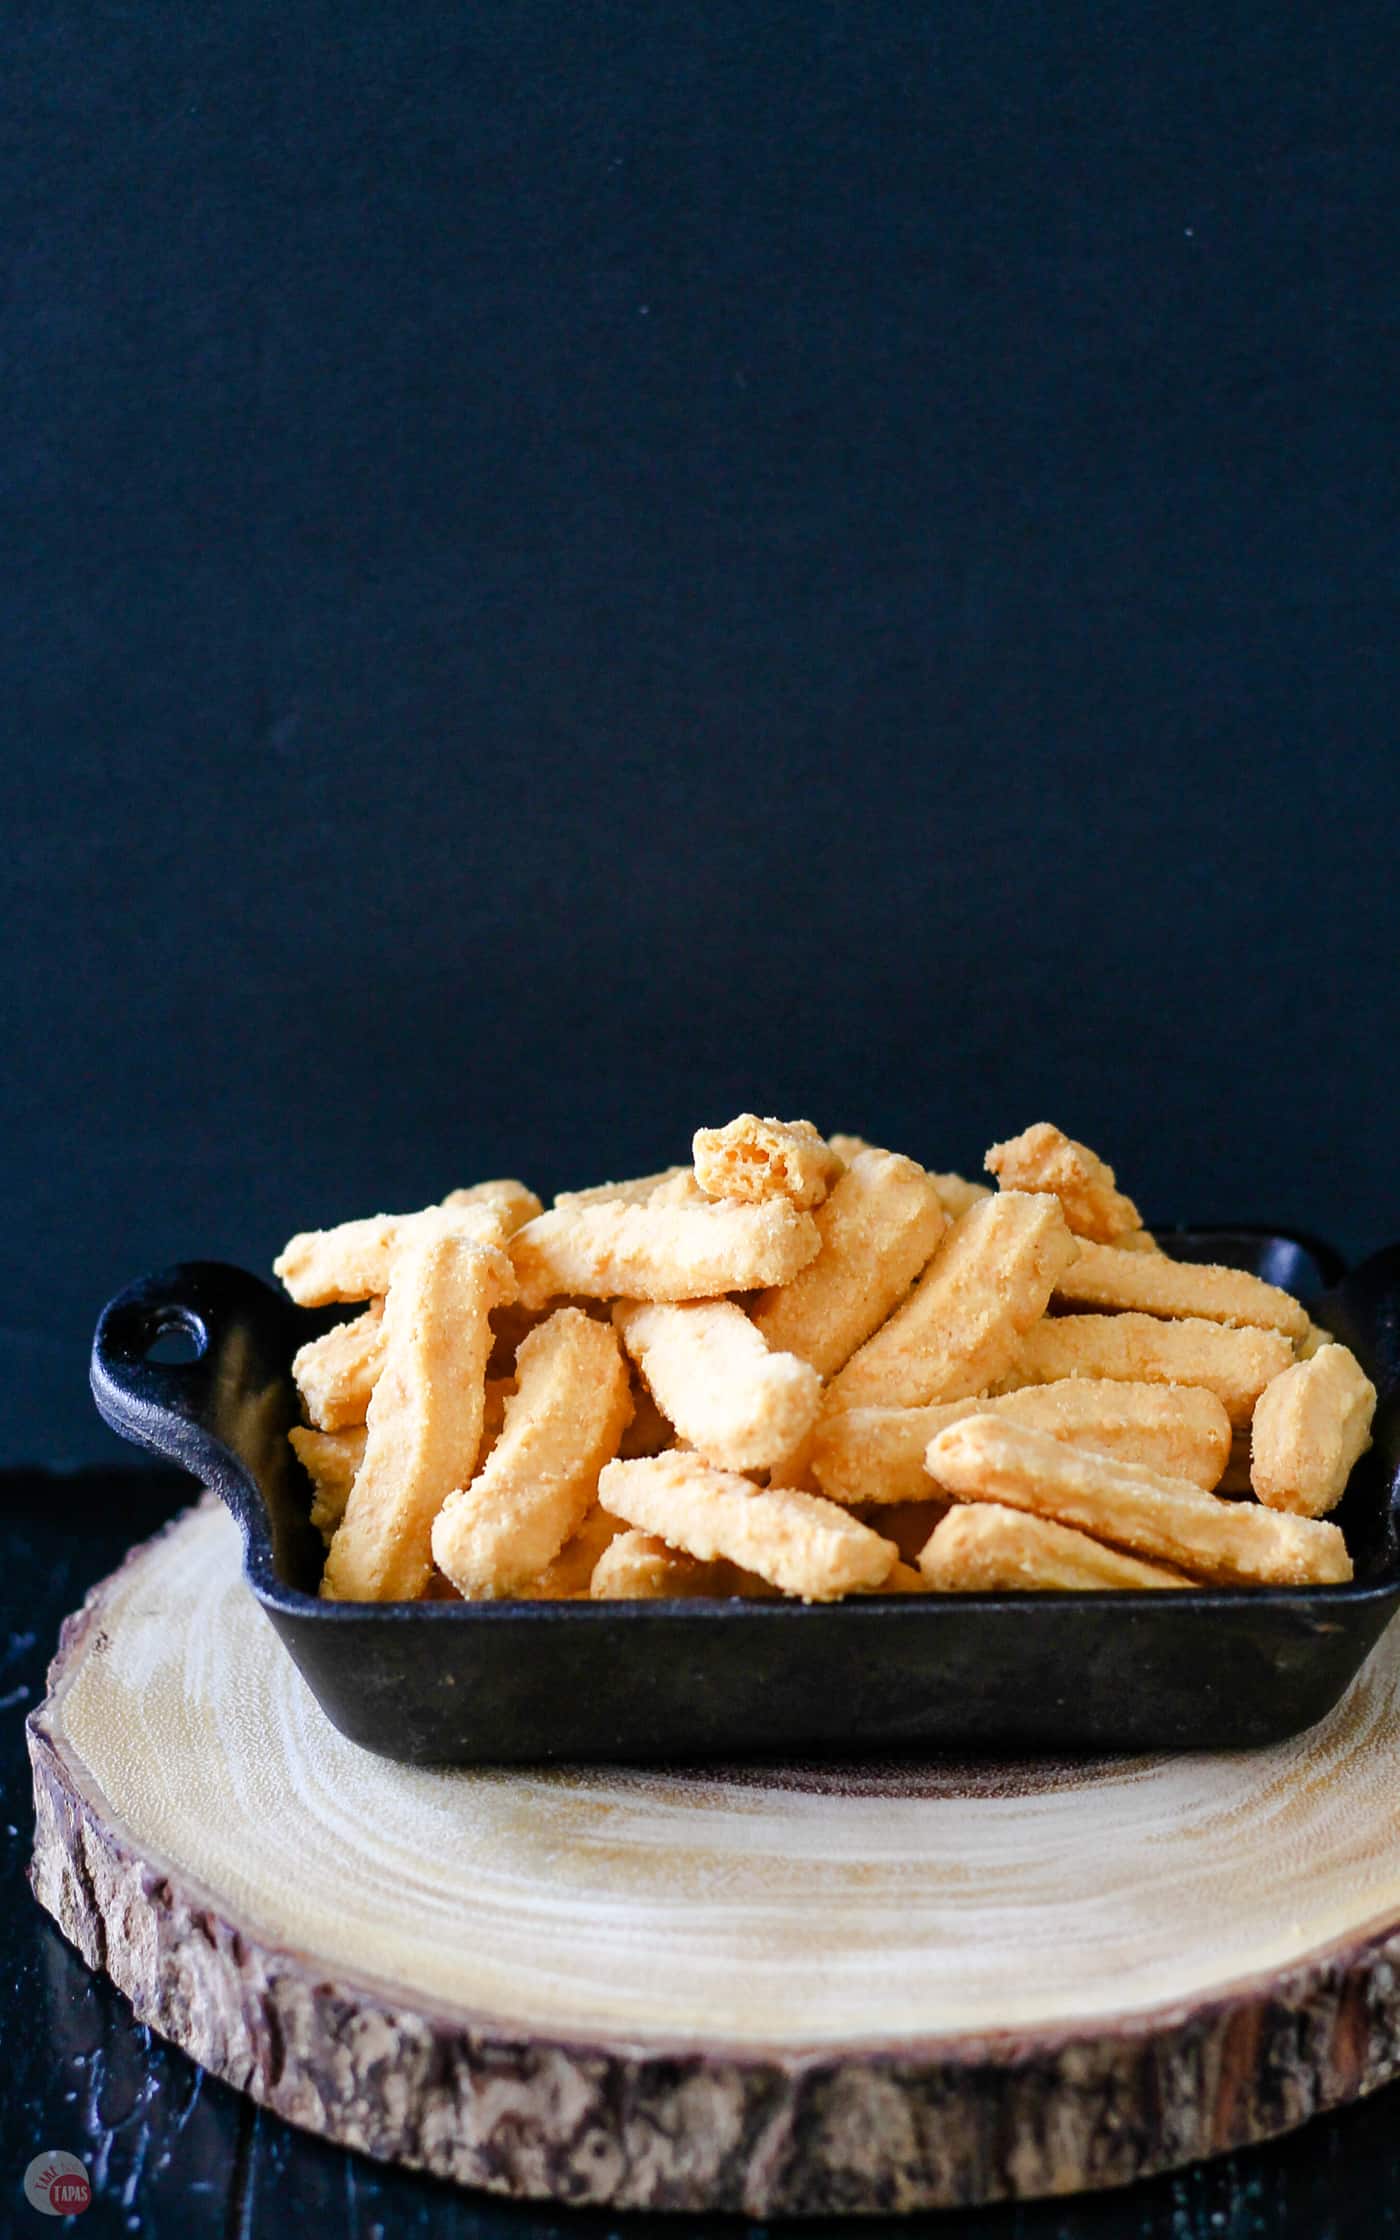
509 1683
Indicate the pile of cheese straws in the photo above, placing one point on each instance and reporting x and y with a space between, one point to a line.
811 1367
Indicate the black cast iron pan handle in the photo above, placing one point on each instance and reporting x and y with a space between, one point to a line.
224 1411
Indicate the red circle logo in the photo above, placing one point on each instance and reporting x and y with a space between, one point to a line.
57 2185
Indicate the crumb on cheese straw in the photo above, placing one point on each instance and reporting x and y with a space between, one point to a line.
959 1329
357 1259
425 1416
753 1158
736 1403
983 1548
804 1545
1105 1276
621 1251
330 1459
335 1374
1168 1520
562 1423
876 1230
1312 1425
1233 1364
1045 1158
877 1454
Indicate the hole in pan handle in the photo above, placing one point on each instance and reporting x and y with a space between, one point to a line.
223 1410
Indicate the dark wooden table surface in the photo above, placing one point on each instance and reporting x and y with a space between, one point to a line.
175 2155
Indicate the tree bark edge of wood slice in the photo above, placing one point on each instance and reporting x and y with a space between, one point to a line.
939 2124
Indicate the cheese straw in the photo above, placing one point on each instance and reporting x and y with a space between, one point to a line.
1045 1158
335 1374
958 1330
875 1231
1233 1364
1312 1425
712 1376
620 1251
804 1545
985 1549
1104 1276
562 1423
356 1261
753 1158
424 1425
877 1454
985 1458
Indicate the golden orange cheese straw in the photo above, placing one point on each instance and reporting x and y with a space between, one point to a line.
1104 1276
562 1423
876 1230
959 1329
335 1374
424 1424
877 1454
621 1251
1312 1425
736 1403
1045 1158
753 1158
1233 1364
1168 1520
986 1549
804 1545
356 1260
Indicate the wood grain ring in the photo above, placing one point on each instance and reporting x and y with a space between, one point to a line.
773 2119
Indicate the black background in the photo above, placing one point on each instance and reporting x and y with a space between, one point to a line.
571 568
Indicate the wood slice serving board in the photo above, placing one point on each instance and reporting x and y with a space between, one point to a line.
802 1989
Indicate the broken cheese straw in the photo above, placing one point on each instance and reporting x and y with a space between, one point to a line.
985 1458
876 1230
983 1548
424 1425
620 1251
959 1329
356 1260
1105 1276
1233 1364
807 1546
1045 1158
1312 1425
752 1158
562 1423
712 1376
877 1454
